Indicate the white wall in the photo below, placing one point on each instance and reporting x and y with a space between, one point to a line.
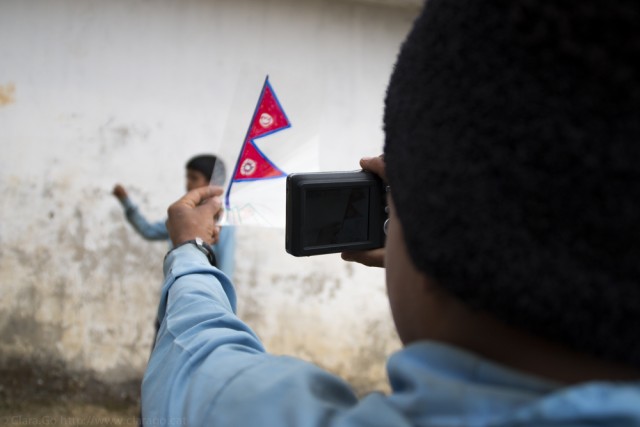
94 92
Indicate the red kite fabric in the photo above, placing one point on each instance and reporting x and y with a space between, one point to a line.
268 118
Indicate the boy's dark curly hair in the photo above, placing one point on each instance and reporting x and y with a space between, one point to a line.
513 154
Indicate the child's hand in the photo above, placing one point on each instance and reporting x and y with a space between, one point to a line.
374 257
194 216
120 192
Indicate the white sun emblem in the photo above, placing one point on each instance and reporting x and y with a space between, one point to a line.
266 120
248 167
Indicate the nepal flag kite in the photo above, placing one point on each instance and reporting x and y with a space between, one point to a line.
268 118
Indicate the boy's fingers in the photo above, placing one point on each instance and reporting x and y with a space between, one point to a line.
194 197
194 215
375 165
372 258
214 204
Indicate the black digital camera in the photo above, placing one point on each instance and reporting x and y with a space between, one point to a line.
330 212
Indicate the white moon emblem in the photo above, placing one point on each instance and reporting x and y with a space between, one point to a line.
266 120
248 167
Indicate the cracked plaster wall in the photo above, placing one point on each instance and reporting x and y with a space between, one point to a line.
93 93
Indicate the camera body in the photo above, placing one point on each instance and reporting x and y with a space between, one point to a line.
329 212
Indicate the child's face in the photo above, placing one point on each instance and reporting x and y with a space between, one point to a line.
195 179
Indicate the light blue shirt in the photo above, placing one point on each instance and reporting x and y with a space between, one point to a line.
208 368
224 248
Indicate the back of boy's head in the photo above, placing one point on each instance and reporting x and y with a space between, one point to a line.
513 156
208 165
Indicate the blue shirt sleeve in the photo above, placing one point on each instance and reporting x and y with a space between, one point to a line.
148 230
209 368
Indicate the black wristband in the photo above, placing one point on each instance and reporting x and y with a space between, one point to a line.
202 247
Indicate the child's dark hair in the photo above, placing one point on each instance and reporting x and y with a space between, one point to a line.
513 156
208 165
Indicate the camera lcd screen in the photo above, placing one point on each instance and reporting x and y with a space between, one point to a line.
336 216
329 212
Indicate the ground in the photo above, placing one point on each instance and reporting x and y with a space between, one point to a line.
69 414
49 395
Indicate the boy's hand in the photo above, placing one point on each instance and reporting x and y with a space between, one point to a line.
374 257
120 192
194 216
375 165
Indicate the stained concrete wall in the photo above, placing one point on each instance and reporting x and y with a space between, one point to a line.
93 93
